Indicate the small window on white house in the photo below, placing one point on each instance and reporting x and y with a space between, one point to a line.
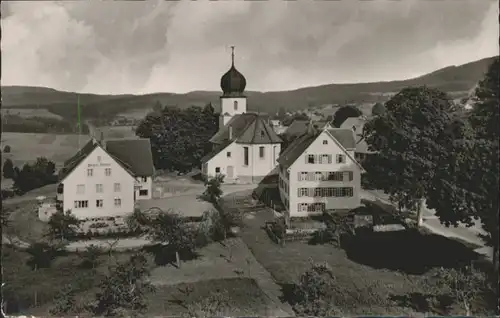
99 188
325 142
90 172
235 105
143 193
107 172
98 158
340 158
80 189
229 154
262 133
217 170
118 203
144 179
310 159
117 187
99 203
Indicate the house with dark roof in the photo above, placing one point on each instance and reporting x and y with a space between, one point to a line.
318 172
105 178
356 124
245 149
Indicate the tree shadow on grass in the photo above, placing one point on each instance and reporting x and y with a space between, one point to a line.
409 251
163 255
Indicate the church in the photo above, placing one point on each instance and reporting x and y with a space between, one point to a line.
245 148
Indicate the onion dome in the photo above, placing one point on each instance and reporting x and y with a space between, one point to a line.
233 82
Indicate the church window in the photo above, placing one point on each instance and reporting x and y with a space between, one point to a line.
229 154
235 105
245 156
217 170
261 152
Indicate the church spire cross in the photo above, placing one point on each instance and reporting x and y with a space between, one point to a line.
232 55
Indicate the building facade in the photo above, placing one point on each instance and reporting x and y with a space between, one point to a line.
100 181
318 172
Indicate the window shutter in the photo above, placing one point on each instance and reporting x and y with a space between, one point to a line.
299 176
351 175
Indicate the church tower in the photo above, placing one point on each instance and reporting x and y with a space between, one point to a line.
233 101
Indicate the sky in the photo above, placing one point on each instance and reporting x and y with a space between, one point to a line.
117 47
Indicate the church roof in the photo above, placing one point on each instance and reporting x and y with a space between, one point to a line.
233 83
248 128
344 137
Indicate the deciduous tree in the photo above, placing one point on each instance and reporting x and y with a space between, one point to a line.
169 228
63 225
213 191
408 139
345 112
123 292
8 169
179 138
378 109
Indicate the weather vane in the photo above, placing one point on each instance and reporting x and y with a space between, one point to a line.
232 55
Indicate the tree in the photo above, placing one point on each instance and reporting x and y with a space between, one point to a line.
179 138
408 139
123 291
169 228
157 108
378 109
464 285
65 302
90 256
314 294
213 190
63 225
8 169
33 176
42 254
345 112
6 149
466 185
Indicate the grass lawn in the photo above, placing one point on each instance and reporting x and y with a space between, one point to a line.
23 284
237 297
24 221
370 272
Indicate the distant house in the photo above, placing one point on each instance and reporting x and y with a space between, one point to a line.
105 178
318 172
356 124
277 126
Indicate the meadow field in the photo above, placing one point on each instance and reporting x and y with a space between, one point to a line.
30 113
26 147
117 132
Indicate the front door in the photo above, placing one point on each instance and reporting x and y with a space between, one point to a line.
230 172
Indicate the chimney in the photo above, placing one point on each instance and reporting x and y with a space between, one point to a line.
230 132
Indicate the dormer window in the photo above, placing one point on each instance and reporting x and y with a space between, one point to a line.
235 105
262 133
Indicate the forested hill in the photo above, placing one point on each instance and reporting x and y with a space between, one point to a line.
456 80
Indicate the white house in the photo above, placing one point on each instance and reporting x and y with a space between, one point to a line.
318 172
356 124
105 178
245 148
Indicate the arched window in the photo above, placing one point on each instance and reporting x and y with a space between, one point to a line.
235 105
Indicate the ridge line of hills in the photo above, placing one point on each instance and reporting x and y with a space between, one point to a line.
455 80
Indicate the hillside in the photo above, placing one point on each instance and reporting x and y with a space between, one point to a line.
456 80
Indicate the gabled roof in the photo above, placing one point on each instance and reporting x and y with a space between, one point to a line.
218 148
248 128
299 127
135 153
344 138
357 124
73 162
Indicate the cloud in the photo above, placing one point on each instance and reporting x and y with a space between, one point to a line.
146 46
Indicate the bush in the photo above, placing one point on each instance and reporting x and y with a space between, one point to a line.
6 149
338 227
8 169
279 228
